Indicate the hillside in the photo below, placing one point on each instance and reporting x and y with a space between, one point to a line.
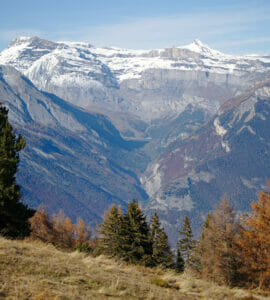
227 155
67 148
38 271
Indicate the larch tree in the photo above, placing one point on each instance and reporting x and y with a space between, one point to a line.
82 232
254 243
218 259
42 227
14 214
59 230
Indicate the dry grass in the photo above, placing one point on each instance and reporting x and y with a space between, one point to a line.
37 271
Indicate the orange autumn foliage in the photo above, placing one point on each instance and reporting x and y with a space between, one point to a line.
58 230
217 256
254 243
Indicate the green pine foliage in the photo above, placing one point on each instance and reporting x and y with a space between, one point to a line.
109 241
13 213
180 263
161 250
129 237
135 236
186 244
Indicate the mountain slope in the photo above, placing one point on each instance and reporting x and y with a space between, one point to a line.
73 160
41 271
228 155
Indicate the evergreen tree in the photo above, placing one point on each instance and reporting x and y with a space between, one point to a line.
14 215
161 250
186 244
180 263
110 231
136 246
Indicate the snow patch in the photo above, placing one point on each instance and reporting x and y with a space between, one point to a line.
219 129
225 146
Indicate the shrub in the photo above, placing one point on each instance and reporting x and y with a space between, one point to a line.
160 282
82 247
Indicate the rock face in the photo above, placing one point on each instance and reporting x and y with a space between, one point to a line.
149 84
73 160
175 128
228 155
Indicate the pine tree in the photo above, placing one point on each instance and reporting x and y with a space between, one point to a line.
180 263
217 245
186 244
14 215
110 232
136 246
254 243
161 250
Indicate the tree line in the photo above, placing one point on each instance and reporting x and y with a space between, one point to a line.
233 249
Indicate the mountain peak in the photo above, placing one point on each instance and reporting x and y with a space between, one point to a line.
200 47
198 43
19 40
33 41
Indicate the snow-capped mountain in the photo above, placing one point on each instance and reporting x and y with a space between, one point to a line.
150 84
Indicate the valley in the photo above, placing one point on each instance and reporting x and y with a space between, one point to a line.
174 128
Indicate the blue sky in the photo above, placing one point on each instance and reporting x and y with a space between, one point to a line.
226 25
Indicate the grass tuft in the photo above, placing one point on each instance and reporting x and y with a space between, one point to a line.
160 282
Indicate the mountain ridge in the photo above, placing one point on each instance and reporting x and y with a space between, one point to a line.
133 80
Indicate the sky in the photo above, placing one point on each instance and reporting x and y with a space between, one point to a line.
233 27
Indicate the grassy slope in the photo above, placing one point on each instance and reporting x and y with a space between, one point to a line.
36 271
